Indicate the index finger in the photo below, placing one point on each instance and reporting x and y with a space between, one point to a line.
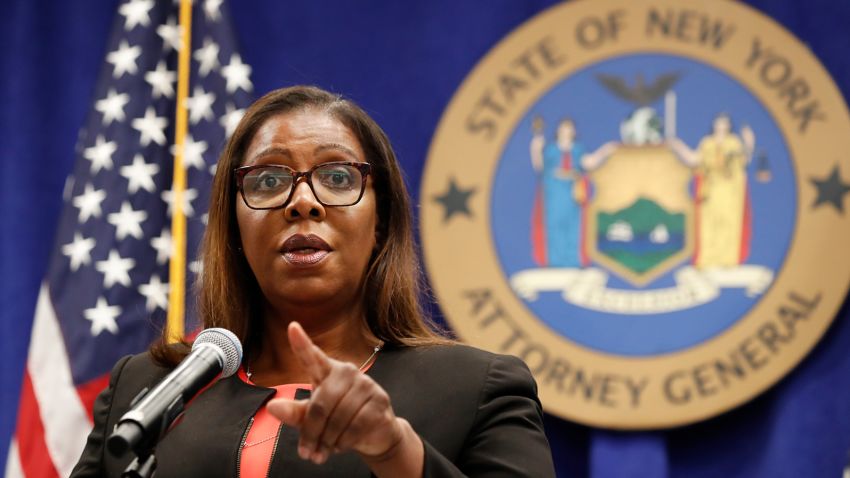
311 357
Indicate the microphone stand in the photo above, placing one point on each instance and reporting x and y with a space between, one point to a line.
143 466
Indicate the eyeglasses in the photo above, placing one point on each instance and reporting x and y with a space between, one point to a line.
270 186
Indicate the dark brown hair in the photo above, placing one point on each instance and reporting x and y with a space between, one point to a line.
228 293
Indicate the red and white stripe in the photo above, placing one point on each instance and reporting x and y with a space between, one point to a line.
13 462
52 420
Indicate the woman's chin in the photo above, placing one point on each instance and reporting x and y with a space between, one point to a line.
306 292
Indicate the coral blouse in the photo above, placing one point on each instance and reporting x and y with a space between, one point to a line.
260 442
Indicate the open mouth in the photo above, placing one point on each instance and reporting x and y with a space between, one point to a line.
304 250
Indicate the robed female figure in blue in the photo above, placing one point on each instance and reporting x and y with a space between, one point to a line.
559 219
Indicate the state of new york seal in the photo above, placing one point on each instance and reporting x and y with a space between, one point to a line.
645 201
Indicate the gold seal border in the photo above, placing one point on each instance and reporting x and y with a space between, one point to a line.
460 256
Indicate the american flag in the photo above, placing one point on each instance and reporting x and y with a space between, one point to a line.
106 290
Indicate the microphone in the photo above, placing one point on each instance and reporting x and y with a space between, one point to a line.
215 353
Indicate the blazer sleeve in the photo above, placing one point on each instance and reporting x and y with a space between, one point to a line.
506 438
91 461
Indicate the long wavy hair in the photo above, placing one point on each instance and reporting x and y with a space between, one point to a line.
227 291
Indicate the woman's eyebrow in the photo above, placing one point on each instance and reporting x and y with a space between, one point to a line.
335 147
272 151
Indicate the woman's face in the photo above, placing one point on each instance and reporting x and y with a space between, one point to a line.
722 125
566 131
305 253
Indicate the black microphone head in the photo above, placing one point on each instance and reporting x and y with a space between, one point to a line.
229 345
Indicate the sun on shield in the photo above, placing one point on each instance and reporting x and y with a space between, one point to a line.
641 216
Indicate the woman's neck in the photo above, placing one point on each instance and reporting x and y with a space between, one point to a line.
344 337
565 144
721 135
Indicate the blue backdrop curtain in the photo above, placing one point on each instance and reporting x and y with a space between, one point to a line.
402 61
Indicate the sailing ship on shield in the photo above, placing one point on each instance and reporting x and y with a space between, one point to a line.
642 207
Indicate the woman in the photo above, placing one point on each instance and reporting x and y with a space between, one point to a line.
559 213
722 193
309 259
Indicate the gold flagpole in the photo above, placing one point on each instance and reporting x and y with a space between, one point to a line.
177 266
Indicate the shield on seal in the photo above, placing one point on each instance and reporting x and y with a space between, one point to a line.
640 219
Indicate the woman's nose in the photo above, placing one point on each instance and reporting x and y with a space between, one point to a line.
304 203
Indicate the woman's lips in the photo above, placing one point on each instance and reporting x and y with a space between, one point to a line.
304 250
304 257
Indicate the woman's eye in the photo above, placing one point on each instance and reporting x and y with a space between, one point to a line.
337 179
266 181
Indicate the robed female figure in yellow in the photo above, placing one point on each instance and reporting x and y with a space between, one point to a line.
723 214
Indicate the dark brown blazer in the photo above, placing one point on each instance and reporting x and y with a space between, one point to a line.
477 413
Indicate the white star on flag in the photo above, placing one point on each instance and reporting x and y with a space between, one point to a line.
102 317
151 127
231 118
135 12
127 222
124 59
200 105
161 80
189 195
115 269
156 294
100 154
193 153
79 251
170 33
211 9
207 57
196 266
112 106
140 175
89 203
237 74
163 245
